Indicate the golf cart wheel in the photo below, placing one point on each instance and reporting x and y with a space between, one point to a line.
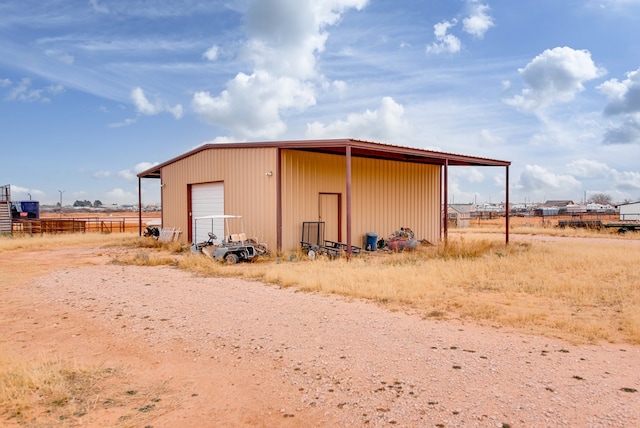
311 254
231 259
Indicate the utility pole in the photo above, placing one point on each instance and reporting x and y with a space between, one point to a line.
61 192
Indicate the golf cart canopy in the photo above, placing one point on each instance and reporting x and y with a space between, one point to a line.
220 216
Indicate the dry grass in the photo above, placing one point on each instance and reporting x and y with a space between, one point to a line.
28 242
582 293
57 393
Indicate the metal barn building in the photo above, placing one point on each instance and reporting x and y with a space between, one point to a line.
354 186
630 211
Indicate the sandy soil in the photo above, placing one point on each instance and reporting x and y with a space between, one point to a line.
226 352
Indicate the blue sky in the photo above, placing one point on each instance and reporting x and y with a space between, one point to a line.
94 91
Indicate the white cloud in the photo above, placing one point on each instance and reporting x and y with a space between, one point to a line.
445 43
588 168
131 174
623 97
251 104
23 92
285 35
555 76
19 193
145 107
284 38
387 123
212 53
119 196
625 180
5 83
535 177
624 101
479 22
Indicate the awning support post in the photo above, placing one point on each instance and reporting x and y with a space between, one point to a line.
348 159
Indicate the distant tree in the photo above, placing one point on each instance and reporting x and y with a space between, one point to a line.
97 203
600 198
84 203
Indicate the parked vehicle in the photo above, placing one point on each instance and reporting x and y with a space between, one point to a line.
235 247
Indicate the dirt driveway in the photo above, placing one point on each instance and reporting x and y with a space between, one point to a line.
200 352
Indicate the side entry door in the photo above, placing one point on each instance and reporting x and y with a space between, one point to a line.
329 211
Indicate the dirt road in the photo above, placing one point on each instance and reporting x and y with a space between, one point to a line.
226 352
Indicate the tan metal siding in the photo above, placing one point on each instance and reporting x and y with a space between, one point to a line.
389 195
304 177
248 190
386 195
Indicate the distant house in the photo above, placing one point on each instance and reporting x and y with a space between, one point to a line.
630 211
460 214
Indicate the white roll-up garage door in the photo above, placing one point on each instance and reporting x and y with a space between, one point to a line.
207 199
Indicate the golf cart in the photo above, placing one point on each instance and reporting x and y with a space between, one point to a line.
235 247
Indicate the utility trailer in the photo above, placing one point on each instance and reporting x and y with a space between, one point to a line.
314 244
586 224
624 227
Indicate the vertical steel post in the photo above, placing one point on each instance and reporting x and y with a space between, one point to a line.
139 206
445 216
348 158
506 208
279 199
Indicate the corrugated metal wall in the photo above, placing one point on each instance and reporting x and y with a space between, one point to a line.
386 195
248 190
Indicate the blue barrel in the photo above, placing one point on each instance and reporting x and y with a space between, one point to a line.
371 241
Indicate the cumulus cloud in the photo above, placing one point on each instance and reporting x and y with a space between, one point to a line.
131 174
555 76
147 108
386 123
445 43
623 96
251 104
623 101
535 177
588 168
622 180
284 38
479 21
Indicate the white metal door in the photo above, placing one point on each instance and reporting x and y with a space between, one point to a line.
207 199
